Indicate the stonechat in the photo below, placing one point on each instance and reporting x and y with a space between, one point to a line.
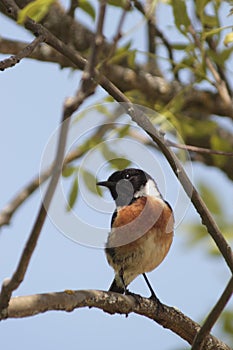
141 227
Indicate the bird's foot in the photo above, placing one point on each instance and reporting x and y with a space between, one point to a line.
137 297
154 297
159 305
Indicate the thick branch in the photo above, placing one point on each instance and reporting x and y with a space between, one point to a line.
142 120
112 303
155 88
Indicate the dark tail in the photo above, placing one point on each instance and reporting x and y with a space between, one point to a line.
115 288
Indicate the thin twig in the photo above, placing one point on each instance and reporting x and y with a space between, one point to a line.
26 51
112 303
117 36
11 207
190 190
143 121
212 317
221 69
169 143
155 87
73 5
11 284
153 31
198 149
212 43
97 42
70 105
220 84
9 210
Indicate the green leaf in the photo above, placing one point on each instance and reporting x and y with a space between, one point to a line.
124 52
90 182
210 199
73 194
220 57
228 322
221 144
118 3
68 171
210 21
119 163
182 20
131 58
87 7
103 109
122 132
198 233
200 5
179 46
36 10
228 39
107 152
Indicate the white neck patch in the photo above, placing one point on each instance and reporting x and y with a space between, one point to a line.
150 189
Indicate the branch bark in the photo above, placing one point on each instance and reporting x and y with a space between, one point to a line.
9 285
70 105
12 206
155 87
144 122
26 51
198 343
112 303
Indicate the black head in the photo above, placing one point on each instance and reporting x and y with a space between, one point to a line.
124 184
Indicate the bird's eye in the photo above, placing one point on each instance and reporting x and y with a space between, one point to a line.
127 176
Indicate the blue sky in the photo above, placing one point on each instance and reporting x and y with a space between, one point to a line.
31 100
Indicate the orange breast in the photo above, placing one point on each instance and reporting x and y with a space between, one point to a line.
140 238
135 220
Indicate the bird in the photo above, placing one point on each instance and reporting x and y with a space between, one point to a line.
142 227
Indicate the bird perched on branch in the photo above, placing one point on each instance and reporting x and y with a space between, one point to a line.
141 227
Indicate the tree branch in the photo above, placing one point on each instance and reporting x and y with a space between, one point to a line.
26 51
220 84
9 210
11 207
154 31
71 104
43 53
9 285
198 343
166 316
155 88
207 219
199 149
144 122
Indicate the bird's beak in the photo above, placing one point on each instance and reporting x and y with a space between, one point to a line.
108 184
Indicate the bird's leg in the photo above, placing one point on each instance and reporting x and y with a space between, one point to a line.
121 275
153 295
